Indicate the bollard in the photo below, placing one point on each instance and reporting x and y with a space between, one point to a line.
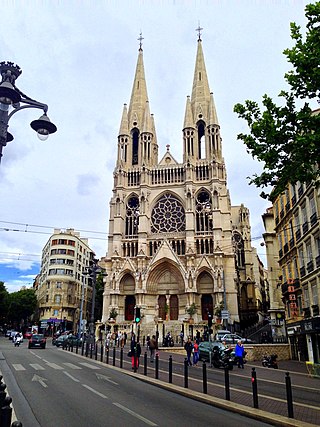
107 355
289 395
82 347
143 340
16 424
254 388
170 370
91 349
77 347
96 351
204 378
6 412
157 366
227 382
121 358
101 352
72 347
185 373
135 360
145 364
114 356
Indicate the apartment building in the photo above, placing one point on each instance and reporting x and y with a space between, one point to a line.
63 290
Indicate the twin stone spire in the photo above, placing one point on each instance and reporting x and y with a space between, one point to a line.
137 141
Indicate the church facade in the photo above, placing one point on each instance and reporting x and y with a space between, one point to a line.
176 245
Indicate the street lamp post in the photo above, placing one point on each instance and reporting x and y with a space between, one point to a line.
11 98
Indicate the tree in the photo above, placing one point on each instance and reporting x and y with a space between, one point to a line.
22 304
286 138
3 303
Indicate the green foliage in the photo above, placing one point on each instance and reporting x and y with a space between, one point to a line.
4 303
22 304
113 313
286 138
192 309
99 297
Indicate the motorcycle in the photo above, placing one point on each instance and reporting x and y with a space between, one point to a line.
222 358
270 361
17 341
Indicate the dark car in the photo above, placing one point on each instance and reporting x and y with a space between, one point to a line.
69 340
37 341
206 347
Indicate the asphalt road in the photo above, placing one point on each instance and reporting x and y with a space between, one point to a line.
53 388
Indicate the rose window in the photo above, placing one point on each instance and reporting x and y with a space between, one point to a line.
168 215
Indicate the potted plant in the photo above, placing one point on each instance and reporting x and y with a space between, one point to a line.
191 310
113 313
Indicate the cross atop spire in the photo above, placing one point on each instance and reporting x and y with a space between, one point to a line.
199 29
140 38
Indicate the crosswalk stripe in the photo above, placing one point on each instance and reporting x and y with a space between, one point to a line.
37 367
18 367
71 365
54 365
89 365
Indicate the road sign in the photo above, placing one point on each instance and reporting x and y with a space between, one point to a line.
224 314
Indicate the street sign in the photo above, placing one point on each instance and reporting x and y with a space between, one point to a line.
224 314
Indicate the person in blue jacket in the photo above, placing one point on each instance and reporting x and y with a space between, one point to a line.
239 352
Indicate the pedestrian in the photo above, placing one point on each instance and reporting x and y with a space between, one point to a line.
152 347
198 336
195 353
135 349
188 348
239 353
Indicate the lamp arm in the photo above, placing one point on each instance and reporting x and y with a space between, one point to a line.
31 104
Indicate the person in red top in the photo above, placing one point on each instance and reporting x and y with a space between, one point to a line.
195 353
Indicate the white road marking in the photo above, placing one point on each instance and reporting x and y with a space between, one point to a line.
71 365
134 414
95 391
40 380
70 376
37 367
103 377
54 366
89 365
18 367
35 354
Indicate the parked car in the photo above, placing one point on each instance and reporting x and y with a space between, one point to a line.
37 340
70 339
206 347
234 338
220 334
8 333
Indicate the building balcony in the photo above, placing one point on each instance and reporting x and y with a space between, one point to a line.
285 248
300 191
293 200
280 253
298 234
291 243
281 213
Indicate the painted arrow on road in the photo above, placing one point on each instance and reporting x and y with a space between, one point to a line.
103 377
40 380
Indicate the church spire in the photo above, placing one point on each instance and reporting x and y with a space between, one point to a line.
139 94
201 129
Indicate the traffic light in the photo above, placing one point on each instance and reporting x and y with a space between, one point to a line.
137 315
209 320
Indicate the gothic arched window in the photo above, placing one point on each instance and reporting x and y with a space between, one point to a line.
168 215
135 147
132 216
203 213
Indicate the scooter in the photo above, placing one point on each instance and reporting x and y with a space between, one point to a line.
222 358
17 341
270 361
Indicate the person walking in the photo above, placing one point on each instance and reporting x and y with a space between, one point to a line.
188 348
239 352
195 353
135 349
152 347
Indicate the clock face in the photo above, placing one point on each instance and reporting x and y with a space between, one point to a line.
168 215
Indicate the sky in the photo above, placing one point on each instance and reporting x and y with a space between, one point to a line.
79 57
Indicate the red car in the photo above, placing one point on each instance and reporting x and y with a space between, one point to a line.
27 335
